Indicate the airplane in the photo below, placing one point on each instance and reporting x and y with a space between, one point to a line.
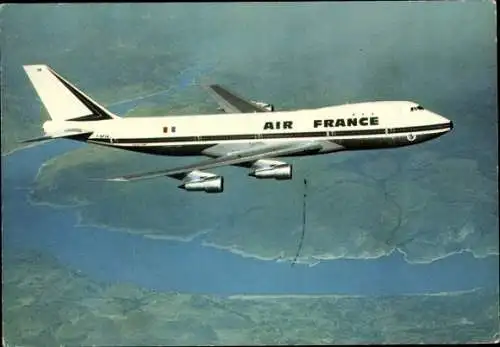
252 134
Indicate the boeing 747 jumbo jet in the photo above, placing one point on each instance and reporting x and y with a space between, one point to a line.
252 140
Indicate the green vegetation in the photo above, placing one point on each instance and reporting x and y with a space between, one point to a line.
47 304
20 120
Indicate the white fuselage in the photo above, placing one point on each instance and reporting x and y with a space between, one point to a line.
353 126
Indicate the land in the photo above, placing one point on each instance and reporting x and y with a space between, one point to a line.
45 303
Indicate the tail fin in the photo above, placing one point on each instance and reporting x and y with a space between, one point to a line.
64 101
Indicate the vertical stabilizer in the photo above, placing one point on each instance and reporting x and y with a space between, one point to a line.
63 100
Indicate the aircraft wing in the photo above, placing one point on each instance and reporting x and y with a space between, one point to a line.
263 151
231 102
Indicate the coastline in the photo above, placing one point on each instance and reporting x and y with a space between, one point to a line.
234 249
18 149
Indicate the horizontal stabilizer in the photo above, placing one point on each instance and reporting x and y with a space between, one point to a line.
66 134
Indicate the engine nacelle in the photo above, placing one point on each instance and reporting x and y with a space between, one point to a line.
265 105
279 172
198 181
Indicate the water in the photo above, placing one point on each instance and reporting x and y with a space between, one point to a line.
111 256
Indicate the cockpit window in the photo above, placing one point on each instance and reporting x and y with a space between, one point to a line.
416 108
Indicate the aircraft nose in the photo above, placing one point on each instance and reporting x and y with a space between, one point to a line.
449 123
440 119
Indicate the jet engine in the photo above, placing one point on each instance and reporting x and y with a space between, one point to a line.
265 105
197 181
271 169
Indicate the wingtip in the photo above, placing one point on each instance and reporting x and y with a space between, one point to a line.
114 179
117 179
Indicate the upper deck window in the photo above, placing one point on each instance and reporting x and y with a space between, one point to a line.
415 108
